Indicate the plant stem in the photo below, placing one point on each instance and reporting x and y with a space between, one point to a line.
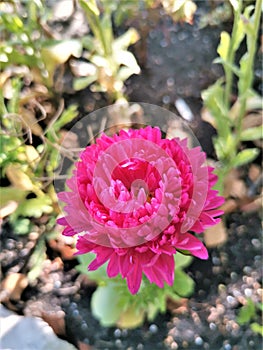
230 58
251 50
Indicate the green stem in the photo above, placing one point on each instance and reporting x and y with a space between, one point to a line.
231 58
249 70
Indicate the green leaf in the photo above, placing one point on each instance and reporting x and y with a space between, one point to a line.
152 311
246 313
127 59
124 73
130 37
235 4
131 318
88 43
224 45
245 156
90 6
245 76
183 284
22 226
219 148
98 275
182 261
66 117
251 134
82 83
11 193
257 328
214 100
105 306
35 207
36 260
240 34
106 26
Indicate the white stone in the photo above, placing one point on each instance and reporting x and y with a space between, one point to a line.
28 333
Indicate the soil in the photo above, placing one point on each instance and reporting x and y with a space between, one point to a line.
178 64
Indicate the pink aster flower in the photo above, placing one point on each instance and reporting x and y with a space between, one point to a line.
136 199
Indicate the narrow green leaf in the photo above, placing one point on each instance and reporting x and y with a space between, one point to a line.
224 45
36 260
82 83
251 134
66 117
246 156
257 328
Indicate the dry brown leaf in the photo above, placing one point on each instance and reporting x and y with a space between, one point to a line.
12 286
179 306
251 120
30 122
215 235
229 206
254 172
253 206
66 250
234 187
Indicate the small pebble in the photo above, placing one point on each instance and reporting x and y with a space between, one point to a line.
247 270
57 284
227 347
75 313
234 276
198 341
170 82
174 345
216 260
251 343
84 326
212 326
166 99
231 300
118 343
256 243
140 346
163 43
73 305
248 292
10 244
117 333
153 328
125 332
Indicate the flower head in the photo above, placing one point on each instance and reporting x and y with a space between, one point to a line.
135 199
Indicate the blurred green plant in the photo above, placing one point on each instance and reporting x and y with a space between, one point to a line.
28 42
29 169
227 119
127 10
221 11
113 304
249 315
110 61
